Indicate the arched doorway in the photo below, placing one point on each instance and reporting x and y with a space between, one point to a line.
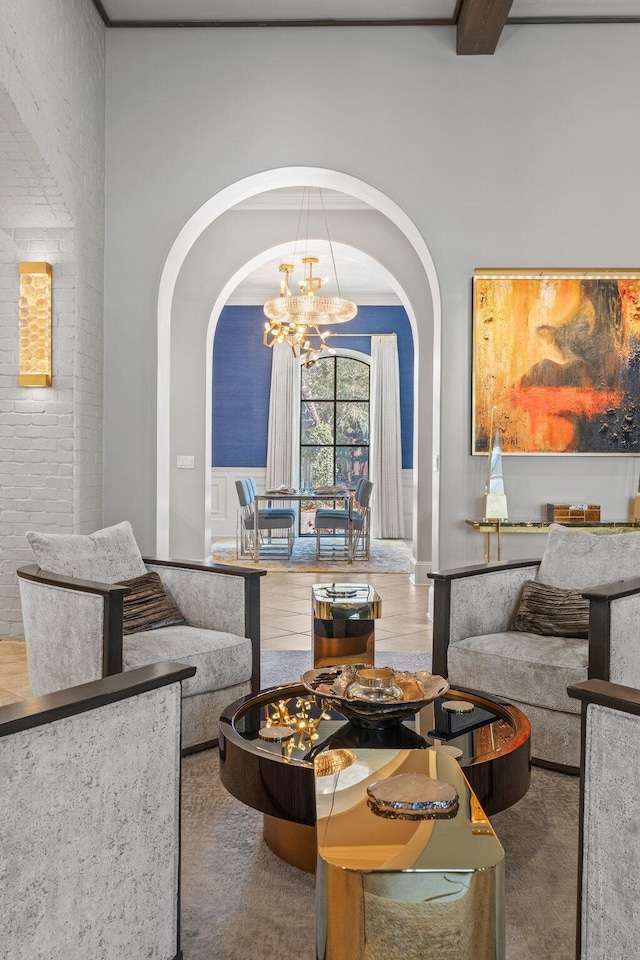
171 499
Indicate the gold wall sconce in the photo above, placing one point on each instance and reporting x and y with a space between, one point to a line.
34 313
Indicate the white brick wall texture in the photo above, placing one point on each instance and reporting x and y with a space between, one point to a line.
52 63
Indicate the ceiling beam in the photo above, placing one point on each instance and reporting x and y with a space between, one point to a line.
104 16
480 24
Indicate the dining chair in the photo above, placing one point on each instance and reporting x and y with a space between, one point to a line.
279 522
338 520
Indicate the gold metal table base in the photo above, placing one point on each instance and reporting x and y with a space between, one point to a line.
295 843
343 641
420 890
343 623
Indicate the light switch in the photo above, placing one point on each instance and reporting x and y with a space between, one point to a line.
186 463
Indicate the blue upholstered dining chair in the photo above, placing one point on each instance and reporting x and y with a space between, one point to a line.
278 523
338 521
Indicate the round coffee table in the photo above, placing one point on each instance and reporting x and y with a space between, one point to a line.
278 777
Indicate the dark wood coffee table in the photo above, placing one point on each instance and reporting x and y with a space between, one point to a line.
278 779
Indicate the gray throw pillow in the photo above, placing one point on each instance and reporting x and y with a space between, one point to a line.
575 560
551 611
147 606
108 556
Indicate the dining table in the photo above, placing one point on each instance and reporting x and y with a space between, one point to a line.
297 496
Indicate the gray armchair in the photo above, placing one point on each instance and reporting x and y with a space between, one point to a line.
74 625
90 820
474 647
609 879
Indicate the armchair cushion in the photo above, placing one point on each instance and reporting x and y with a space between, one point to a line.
147 606
550 611
576 560
521 666
108 556
221 659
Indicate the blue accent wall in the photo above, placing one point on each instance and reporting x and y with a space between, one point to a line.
242 379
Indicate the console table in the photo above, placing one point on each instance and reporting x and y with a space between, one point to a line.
498 527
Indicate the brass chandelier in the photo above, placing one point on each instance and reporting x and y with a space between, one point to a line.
295 319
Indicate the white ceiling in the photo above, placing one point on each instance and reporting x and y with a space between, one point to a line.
295 198
361 278
264 10
277 9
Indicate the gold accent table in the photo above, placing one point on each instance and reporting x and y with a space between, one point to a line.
344 616
406 888
498 527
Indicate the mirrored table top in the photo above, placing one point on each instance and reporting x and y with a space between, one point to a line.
486 731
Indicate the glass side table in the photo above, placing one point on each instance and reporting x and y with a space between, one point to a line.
343 627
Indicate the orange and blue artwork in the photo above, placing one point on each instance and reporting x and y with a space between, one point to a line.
557 363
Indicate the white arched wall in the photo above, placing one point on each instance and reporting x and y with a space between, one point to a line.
426 341
220 251
281 250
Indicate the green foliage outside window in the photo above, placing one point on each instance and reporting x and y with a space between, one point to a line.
334 426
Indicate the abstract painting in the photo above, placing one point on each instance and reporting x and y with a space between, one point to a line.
556 361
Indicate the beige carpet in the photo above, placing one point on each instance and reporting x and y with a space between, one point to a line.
387 556
239 902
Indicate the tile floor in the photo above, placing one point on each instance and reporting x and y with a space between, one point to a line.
286 621
286 610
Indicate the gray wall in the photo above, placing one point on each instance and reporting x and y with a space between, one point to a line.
527 158
52 114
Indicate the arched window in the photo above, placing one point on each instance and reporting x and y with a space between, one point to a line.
334 426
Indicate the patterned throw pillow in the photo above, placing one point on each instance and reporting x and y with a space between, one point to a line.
148 607
551 611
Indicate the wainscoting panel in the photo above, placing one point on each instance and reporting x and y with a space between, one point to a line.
407 502
224 497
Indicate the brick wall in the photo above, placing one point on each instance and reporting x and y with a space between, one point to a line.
52 62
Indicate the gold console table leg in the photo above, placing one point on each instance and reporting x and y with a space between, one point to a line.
497 529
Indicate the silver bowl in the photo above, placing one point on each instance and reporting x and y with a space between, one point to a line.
341 688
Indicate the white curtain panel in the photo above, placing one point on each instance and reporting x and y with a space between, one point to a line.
385 443
284 415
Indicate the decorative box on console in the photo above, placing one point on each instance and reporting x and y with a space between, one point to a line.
573 512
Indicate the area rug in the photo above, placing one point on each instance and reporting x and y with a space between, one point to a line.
387 556
287 666
239 901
